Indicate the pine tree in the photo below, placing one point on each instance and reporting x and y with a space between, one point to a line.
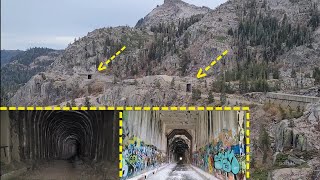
264 142
87 102
157 84
230 32
210 97
184 63
276 74
196 94
316 75
244 85
293 73
223 98
73 103
172 84
186 40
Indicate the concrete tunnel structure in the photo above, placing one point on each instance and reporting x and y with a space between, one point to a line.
201 138
59 135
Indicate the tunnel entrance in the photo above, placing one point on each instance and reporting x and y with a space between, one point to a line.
179 146
188 89
61 137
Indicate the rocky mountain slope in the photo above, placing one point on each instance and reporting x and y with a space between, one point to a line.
170 11
274 45
22 68
179 48
6 56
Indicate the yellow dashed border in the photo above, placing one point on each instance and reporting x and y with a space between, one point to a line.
130 108
149 108
120 144
247 141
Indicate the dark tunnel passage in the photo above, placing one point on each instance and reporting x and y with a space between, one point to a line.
66 134
179 143
180 150
61 144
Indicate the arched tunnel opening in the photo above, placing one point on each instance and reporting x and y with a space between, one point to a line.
179 146
187 144
180 149
76 137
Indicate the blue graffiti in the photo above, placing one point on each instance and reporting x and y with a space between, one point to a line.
238 149
227 162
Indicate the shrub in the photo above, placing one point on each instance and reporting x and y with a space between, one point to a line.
264 142
210 97
172 83
87 102
157 84
196 94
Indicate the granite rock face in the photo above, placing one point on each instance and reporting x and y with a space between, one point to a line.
303 136
68 76
171 11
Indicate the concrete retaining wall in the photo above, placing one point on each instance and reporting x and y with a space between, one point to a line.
291 97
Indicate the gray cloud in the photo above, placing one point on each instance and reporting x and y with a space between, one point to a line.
54 24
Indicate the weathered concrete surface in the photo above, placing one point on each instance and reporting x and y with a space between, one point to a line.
177 171
290 100
149 173
204 174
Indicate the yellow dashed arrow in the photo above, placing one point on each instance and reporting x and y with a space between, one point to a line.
201 74
102 67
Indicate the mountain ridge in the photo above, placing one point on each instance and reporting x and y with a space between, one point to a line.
165 49
170 11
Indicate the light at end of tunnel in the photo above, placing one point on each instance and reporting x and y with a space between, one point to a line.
180 158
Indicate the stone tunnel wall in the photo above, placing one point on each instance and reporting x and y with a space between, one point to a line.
220 143
144 142
36 135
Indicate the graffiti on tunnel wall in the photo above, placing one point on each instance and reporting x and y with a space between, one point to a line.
218 158
227 162
225 155
137 156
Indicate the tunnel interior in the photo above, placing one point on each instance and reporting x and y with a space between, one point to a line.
179 146
65 135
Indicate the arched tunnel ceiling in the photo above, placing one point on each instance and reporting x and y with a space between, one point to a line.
179 145
179 119
63 134
179 142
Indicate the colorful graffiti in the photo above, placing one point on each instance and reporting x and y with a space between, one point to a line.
217 158
225 155
227 162
137 156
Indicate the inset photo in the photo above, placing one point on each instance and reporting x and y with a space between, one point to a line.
59 145
184 145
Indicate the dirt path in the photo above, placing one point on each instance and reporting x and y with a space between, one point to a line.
65 170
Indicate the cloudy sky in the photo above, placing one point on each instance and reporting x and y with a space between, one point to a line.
55 23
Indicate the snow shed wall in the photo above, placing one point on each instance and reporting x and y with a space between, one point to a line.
221 143
143 142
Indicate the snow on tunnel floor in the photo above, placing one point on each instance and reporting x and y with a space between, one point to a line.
176 172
